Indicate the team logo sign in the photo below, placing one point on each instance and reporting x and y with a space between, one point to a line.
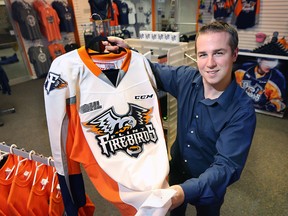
126 133
54 81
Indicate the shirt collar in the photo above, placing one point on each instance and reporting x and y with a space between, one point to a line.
224 99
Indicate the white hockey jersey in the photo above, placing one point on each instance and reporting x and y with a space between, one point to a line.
112 128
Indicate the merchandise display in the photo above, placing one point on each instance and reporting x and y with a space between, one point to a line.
26 16
242 14
104 114
44 24
28 183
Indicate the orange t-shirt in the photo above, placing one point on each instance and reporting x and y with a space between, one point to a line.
49 20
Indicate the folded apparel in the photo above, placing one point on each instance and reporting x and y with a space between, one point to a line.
8 60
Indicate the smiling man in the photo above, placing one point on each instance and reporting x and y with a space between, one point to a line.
215 125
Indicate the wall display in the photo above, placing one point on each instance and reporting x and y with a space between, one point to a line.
243 14
264 78
28 183
246 13
26 16
41 24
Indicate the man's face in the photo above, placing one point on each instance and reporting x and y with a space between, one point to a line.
215 59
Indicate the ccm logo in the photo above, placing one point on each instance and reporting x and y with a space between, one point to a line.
142 97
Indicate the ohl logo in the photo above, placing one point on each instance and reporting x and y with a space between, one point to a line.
126 133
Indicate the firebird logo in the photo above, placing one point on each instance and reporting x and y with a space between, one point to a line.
125 133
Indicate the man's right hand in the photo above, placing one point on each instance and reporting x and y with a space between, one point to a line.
113 44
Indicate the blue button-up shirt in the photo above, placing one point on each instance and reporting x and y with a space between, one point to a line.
213 136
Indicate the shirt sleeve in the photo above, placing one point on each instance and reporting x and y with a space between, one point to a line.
232 143
167 77
232 146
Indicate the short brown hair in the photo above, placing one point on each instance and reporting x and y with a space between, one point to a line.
220 26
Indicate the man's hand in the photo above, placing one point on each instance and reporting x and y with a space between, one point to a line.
113 44
178 198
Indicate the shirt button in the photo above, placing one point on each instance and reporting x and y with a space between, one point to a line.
196 116
188 146
185 161
192 131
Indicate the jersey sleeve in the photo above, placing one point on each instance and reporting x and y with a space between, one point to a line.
60 97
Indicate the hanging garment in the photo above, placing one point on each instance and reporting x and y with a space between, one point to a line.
4 82
56 205
113 128
49 20
56 49
114 20
7 172
41 59
131 12
246 13
123 10
222 9
20 188
65 14
38 201
26 16
101 8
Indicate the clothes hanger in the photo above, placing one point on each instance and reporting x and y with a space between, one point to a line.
3 155
98 39
95 43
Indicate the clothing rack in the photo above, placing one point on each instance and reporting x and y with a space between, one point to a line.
31 155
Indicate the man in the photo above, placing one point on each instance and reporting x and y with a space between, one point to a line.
264 83
216 121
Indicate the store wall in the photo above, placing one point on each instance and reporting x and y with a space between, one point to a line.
273 17
176 15
82 17
10 51
42 41
186 16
